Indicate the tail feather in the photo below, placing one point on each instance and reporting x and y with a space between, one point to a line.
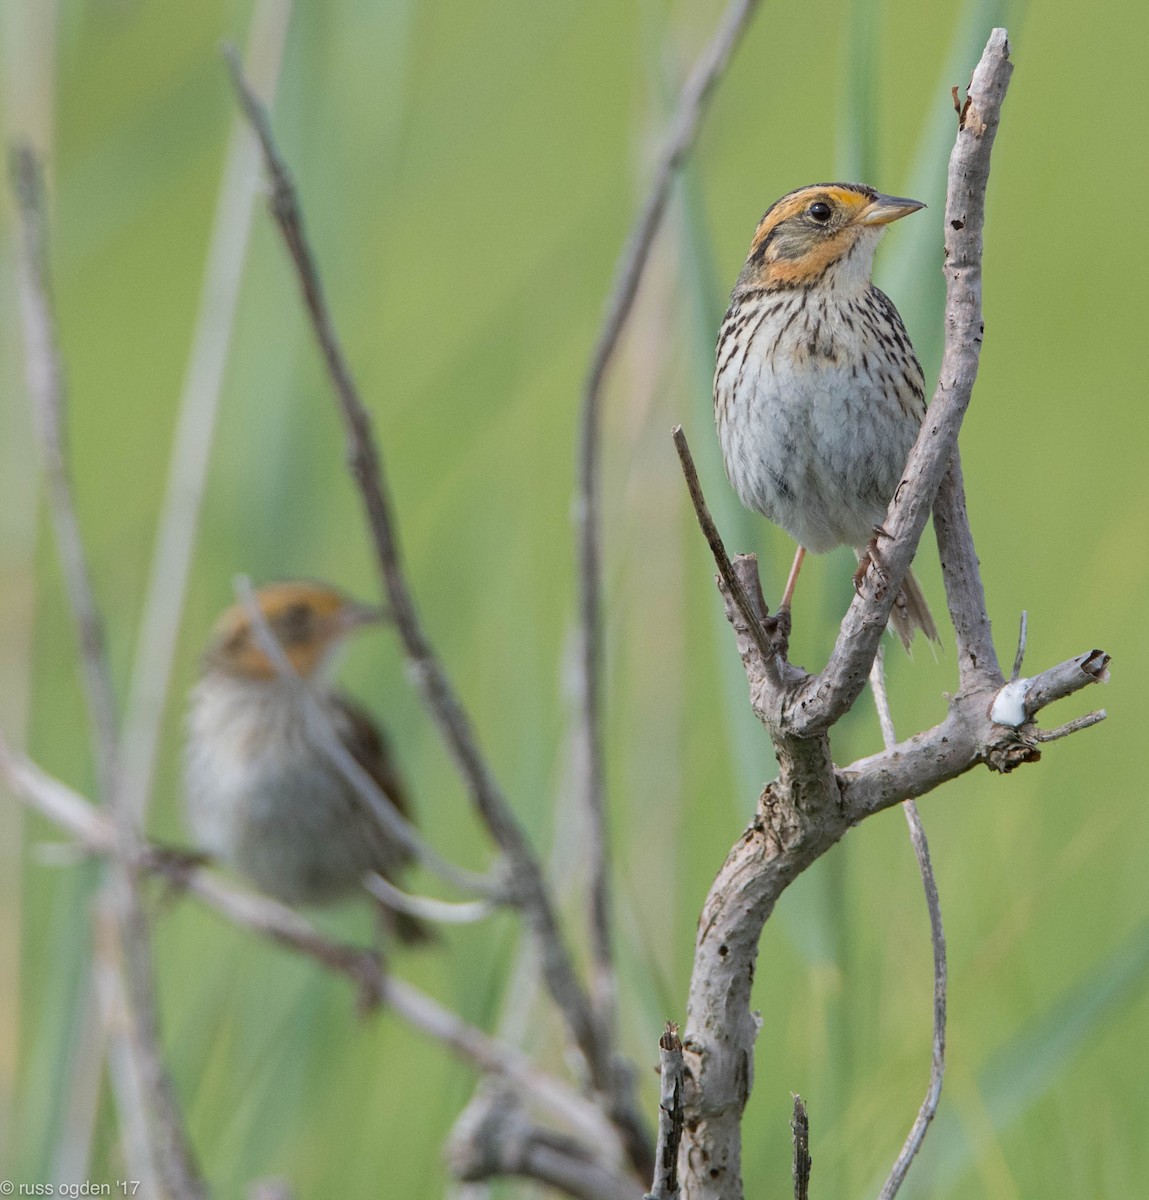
911 612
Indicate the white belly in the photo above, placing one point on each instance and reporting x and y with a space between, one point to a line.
263 800
812 438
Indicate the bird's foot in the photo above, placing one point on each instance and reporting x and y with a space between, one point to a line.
778 630
176 865
871 557
368 968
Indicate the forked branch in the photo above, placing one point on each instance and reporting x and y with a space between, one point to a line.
813 803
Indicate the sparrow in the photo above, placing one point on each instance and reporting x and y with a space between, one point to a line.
818 395
261 795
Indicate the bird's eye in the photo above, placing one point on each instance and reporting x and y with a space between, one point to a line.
293 624
819 210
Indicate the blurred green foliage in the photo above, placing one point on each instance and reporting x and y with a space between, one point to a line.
469 174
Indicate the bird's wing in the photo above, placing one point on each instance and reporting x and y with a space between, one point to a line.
367 743
911 383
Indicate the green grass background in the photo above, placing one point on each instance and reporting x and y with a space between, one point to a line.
469 174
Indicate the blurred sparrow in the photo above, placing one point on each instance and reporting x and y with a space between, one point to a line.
818 395
262 796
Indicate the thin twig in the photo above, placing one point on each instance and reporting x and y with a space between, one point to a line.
670 1115
439 695
800 1127
46 388
1019 657
929 1105
322 731
116 1043
965 594
691 106
1074 726
159 626
192 441
731 582
522 990
882 700
427 907
826 697
152 1100
495 1137
967 736
267 918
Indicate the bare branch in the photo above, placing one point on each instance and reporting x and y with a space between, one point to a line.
93 829
495 1137
1019 657
439 695
929 1105
691 107
753 620
1074 726
1066 678
152 1097
45 372
966 737
827 696
792 828
965 595
427 907
670 1115
90 826
800 1127
116 1045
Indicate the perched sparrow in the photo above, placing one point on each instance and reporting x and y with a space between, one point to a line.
261 795
818 395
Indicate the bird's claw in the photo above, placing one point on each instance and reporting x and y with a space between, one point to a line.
778 629
871 557
176 864
369 971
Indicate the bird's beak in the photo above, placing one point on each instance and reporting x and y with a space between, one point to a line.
354 615
885 209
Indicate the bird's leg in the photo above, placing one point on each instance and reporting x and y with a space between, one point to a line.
780 634
791 580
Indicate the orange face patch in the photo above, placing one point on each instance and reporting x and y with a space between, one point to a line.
811 265
840 197
304 617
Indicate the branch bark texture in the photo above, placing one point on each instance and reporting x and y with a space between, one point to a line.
670 1116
